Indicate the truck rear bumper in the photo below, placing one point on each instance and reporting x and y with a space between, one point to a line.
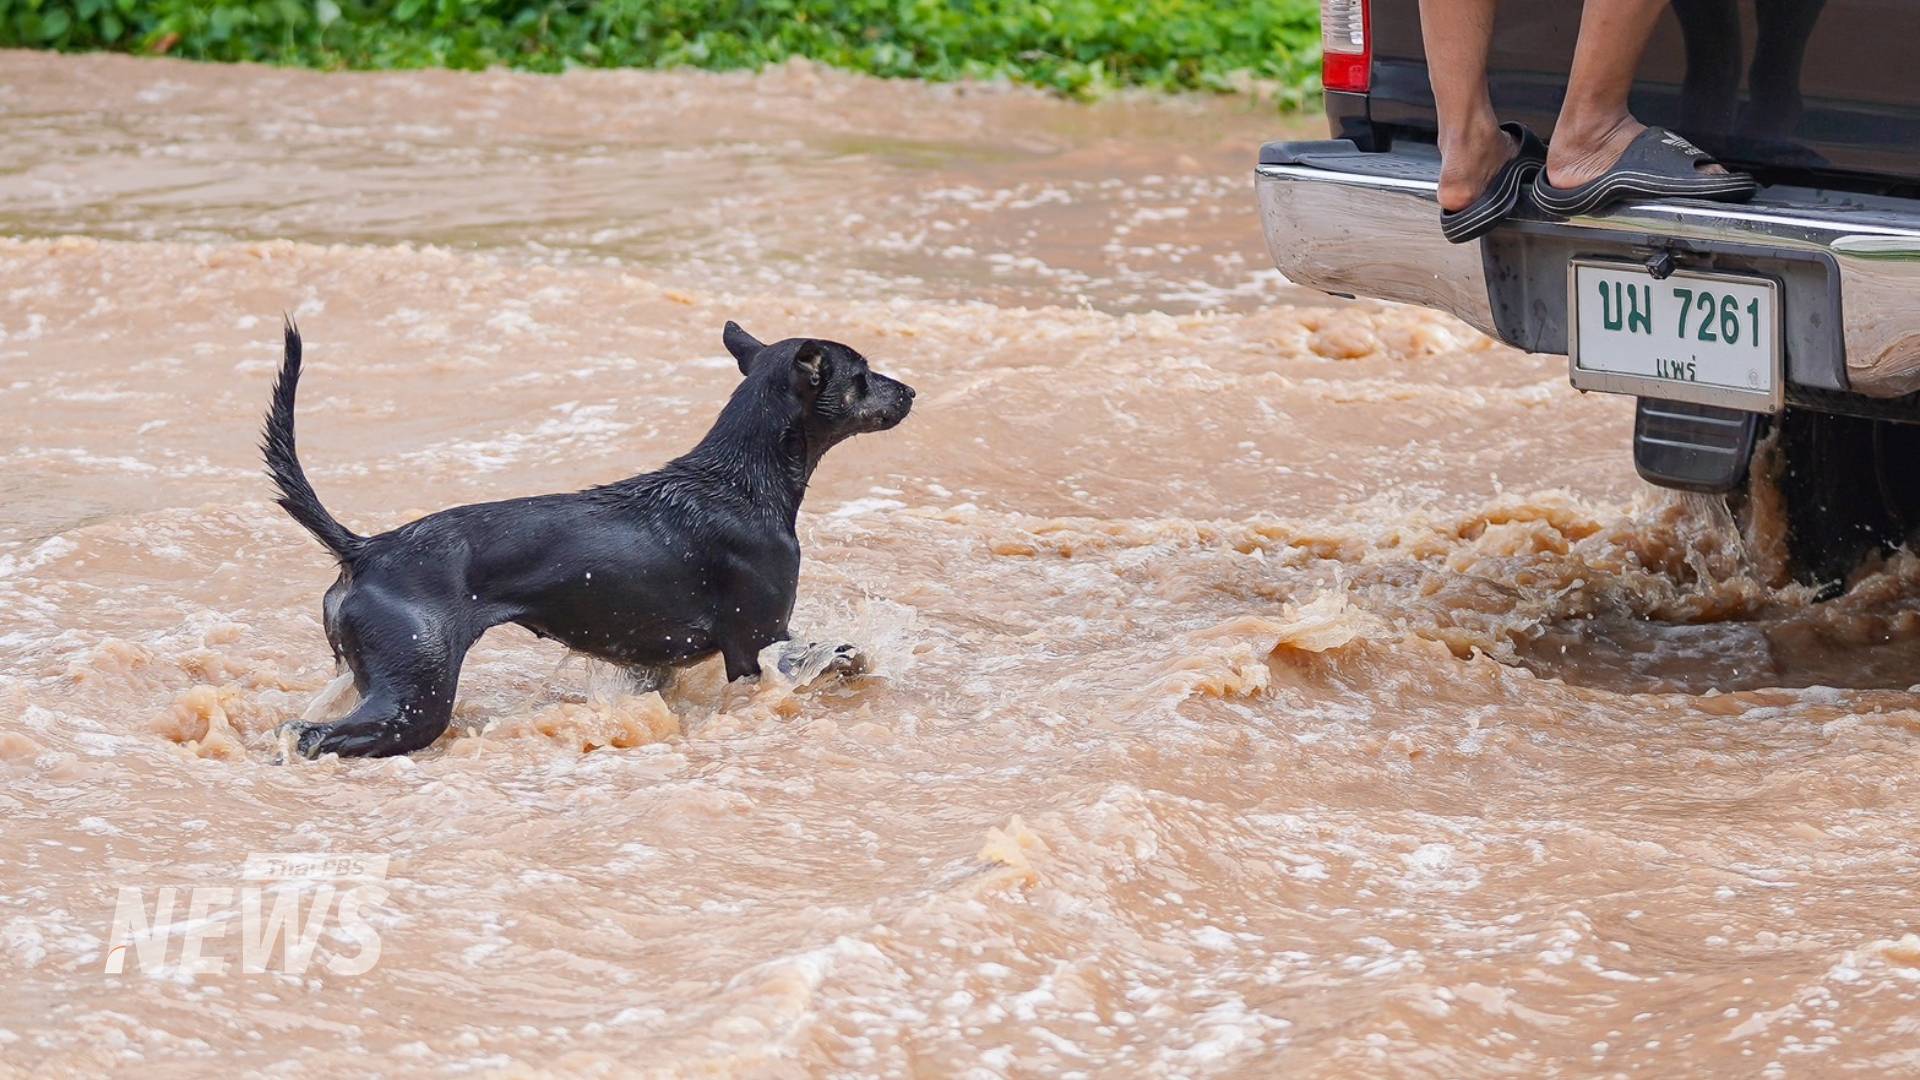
1356 223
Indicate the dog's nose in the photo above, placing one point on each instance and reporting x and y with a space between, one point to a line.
909 390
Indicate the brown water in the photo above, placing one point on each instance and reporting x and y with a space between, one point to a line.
1262 687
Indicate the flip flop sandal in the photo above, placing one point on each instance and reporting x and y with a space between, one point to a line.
1656 164
1503 192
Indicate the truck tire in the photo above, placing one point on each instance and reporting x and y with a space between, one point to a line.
1826 492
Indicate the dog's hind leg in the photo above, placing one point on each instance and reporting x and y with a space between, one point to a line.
400 711
406 664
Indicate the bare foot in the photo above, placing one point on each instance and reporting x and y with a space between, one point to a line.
1579 155
1467 165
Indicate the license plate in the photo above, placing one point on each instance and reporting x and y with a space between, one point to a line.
1712 339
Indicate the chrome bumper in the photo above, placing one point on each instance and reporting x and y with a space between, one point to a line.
1361 234
1372 236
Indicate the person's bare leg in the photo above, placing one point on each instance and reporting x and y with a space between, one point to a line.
1458 35
1594 126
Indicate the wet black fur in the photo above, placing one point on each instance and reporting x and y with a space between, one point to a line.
653 572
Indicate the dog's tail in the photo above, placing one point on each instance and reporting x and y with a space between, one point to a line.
283 465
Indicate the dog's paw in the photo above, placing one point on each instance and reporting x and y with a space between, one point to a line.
806 662
299 738
848 661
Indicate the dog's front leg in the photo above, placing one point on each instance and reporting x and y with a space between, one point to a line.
742 659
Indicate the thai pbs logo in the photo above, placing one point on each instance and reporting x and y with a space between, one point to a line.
284 910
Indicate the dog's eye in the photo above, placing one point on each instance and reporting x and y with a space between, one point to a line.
860 383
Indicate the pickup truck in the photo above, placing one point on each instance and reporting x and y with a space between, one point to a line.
1775 342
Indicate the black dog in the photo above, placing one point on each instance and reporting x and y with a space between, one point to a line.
651 573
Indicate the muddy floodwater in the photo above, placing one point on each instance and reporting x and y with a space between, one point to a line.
1264 686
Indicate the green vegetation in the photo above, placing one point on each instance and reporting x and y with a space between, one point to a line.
1079 47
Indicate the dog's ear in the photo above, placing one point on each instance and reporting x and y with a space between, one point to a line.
742 345
809 368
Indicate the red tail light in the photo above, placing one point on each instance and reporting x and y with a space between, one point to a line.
1346 45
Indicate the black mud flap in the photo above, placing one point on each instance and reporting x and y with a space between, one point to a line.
1693 447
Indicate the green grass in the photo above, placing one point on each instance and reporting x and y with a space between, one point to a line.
1078 47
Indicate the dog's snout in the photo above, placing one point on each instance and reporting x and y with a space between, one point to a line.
890 402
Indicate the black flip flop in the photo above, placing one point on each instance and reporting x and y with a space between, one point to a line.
1656 164
1503 192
